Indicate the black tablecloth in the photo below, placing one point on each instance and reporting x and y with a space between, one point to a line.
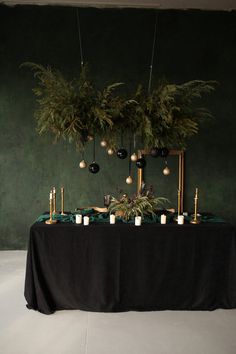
122 267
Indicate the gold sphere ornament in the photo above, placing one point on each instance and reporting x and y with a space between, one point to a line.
134 157
110 151
129 180
166 171
103 143
90 138
82 164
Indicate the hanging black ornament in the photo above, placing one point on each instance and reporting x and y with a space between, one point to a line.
164 152
141 163
155 152
122 154
94 167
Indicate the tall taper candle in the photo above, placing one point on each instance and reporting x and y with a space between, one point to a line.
62 201
54 200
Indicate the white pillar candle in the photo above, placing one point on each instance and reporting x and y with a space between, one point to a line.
163 219
78 219
112 219
180 219
137 220
86 220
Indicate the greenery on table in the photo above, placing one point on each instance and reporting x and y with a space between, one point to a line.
140 205
75 109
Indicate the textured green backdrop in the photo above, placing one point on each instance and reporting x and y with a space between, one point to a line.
117 45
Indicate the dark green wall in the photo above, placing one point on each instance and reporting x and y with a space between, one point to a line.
117 45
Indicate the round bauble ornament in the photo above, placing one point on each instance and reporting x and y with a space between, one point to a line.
166 171
155 152
90 138
129 180
94 167
110 151
82 164
164 152
122 154
103 143
134 157
141 163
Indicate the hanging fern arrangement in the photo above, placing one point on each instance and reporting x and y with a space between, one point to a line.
74 110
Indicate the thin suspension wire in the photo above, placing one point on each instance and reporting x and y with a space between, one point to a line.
130 144
152 56
80 40
94 148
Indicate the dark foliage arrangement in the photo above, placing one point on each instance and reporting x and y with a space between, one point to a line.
74 110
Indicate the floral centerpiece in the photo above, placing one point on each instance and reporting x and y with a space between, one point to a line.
144 204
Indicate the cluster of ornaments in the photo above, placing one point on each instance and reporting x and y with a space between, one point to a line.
122 154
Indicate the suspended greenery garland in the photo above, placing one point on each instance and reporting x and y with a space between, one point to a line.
73 110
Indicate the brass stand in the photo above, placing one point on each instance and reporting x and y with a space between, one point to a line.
179 202
62 201
195 219
50 221
54 200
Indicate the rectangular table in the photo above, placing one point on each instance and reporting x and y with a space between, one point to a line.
121 267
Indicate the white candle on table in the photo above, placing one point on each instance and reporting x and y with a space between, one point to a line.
86 220
137 220
112 219
180 219
163 219
78 219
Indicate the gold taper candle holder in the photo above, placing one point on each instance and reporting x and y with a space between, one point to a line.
179 203
54 198
195 219
50 220
62 201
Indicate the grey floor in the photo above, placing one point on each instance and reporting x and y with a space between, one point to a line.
75 332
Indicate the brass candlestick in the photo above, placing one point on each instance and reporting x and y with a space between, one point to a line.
50 220
195 220
54 200
179 202
62 201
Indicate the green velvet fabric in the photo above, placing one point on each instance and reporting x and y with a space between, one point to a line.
96 217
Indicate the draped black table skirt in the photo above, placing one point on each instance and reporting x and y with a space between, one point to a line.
122 267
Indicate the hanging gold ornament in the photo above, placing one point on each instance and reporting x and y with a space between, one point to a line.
103 143
134 157
90 138
166 171
110 151
129 180
82 164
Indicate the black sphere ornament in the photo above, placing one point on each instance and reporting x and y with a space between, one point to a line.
155 152
94 167
164 152
122 154
141 163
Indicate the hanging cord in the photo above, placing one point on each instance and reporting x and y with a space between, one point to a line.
80 40
121 141
134 140
130 146
152 56
94 141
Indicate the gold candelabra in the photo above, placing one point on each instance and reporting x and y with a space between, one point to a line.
62 201
50 220
195 219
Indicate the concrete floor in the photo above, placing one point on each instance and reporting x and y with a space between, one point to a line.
25 331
